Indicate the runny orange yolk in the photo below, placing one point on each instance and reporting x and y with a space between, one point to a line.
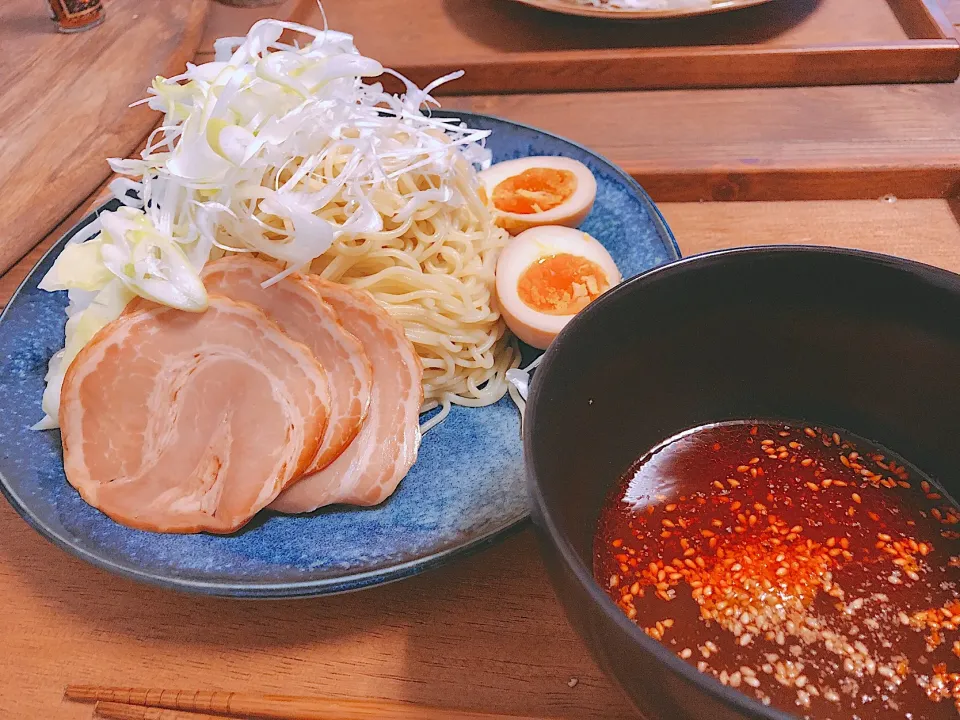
534 190
561 284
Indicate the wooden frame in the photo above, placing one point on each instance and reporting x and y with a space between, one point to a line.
795 184
772 144
931 53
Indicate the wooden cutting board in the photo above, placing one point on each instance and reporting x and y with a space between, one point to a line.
63 107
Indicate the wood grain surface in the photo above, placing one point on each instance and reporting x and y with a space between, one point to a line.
486 633
63 107
508 47
857 142
924 230
149 704
483 634
761 144
227 21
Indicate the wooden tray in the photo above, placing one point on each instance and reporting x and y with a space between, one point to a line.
509 47
822 143
64 103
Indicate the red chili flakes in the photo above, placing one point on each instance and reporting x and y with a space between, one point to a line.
743 560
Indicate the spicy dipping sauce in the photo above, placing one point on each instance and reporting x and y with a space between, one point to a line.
801 565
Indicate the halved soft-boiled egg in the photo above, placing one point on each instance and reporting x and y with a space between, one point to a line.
534 191
546 275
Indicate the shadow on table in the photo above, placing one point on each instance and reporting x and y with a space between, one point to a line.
484 633
512 27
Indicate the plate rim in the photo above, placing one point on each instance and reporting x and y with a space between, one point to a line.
348 582
561 8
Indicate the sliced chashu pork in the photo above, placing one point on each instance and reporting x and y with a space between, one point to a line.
371 468
183 422
301 313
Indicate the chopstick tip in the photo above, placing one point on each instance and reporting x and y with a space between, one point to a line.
79 692
117 711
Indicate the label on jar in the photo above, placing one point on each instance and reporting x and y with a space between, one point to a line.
77 13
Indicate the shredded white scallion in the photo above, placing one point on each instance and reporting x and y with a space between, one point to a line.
519 379
284 150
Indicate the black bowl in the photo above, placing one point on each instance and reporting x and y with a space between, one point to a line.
865 342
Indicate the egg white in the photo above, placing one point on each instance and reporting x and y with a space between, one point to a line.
571 212
532 326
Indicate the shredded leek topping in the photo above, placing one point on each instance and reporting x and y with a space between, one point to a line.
239 164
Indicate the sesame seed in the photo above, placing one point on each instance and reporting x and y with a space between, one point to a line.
760 578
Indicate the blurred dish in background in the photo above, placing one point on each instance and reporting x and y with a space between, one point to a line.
640 9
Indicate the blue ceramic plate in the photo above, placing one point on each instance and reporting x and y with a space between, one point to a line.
465 490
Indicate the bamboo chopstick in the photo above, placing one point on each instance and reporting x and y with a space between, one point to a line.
266 707
119 711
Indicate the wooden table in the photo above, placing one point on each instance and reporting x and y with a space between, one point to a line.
486 632
64 108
